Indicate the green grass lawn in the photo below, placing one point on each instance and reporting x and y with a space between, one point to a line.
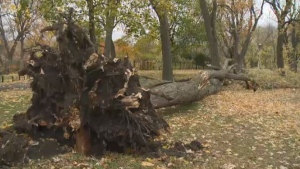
12 102
238 128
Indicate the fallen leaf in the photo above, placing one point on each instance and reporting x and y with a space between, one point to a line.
228 166
147 164
189 151
170 165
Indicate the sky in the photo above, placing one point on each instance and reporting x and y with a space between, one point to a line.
268 18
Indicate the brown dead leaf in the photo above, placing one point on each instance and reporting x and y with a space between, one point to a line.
170 165
147 164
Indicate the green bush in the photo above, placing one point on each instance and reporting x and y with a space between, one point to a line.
269 79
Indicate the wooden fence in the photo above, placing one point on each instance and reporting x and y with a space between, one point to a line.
12 78
156 65
139 64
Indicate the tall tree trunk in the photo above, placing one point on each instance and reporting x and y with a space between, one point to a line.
164 29
279 47
108 44
12 50
293 57
209 22
285 13
243 53
113 49
237 56
167 72
22 53
91 14
109 26
274 45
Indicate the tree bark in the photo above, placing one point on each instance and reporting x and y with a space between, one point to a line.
164 28
199 86
109 26
108 36
22 53
167 72
91 14
113 49
279 48
293 56
210 29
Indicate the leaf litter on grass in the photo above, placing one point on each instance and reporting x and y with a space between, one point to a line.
237 129
12 102
245 129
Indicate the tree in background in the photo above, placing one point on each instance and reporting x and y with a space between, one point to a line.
161 10
125 48
148 47
286 13
295 41
16 21
186 29
106 15
262 49
211 30
239 20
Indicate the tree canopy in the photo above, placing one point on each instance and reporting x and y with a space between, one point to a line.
170 30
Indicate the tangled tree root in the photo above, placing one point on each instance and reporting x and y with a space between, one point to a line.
84 98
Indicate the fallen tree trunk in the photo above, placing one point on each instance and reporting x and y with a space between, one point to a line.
203 84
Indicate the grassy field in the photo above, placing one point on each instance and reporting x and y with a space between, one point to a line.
12 102
238 129
266 79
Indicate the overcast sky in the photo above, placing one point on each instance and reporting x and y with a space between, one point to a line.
268 17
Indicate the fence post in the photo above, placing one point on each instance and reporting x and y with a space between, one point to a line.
152 65
147 65
140 64
12 78
2 79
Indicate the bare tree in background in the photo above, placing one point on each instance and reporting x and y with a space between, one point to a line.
286 13
16 20
240 19
210 29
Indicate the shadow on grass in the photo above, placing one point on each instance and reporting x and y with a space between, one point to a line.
179 109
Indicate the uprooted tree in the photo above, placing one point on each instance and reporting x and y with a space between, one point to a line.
84 99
